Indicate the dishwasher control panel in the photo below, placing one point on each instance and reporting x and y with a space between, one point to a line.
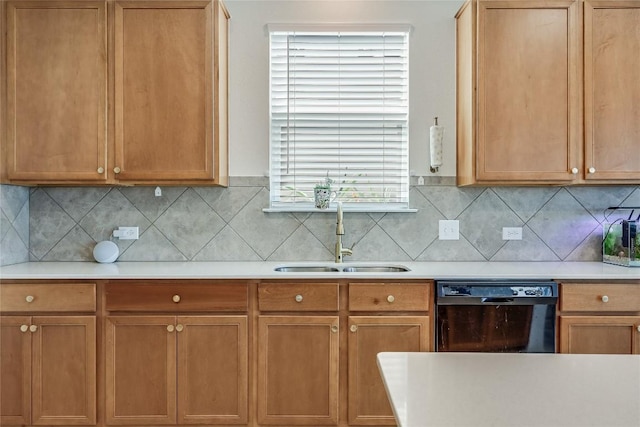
497 289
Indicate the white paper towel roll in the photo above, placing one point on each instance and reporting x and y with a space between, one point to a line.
435 145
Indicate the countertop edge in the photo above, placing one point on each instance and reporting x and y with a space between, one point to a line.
265 271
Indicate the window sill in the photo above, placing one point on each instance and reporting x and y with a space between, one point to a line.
344 209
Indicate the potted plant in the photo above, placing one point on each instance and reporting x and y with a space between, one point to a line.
322 193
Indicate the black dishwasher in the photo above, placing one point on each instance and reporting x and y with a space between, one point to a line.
496 316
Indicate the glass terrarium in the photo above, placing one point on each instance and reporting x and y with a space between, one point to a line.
620 244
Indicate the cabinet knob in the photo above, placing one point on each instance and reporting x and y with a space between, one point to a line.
100 170
391 299
176 298
116 169
575 171
33 328
170 328
592 170
29 298
25 328
638 328
334 328
353 328
298 298
605 298
179 327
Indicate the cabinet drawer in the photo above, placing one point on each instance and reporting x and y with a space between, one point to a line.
298 297
175 297
389 296
600 297
48 297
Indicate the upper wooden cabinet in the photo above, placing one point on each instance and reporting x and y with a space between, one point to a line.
520 92
165 90
163 68
56 91
612 92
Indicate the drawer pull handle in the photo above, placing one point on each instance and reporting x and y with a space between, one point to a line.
33 328
176 298
298 298
334 328
29 298
353 328
24 328
391 299
170 328
179 327
605 298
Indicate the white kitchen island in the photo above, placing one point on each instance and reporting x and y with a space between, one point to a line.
512 389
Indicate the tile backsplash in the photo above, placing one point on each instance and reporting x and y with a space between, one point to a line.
228 224
14 224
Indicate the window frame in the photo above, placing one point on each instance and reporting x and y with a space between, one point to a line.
402 180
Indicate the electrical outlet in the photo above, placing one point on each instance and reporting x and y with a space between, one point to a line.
127 233
511 233
449 229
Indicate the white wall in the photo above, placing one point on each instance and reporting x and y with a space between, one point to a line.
431 72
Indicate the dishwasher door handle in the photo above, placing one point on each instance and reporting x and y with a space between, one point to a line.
490 300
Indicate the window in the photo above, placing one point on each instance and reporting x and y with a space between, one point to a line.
339 111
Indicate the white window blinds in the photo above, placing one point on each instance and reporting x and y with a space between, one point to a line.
339 109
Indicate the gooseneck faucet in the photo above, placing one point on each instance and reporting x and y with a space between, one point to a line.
340 251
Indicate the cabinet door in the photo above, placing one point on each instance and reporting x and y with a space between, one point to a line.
600 334
56 97
64 370
141 370
163 90
528 91
368 336
612 92
212 369
298 370
15 370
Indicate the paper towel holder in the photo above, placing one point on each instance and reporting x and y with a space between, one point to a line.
435 144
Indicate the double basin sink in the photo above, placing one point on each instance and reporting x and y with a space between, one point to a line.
338 268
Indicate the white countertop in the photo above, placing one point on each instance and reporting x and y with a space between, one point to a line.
265 270
512 389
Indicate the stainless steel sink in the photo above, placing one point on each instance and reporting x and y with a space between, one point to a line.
341 268
306 269
375 269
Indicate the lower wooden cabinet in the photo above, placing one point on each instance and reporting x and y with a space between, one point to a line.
600 334
48 370
600 317
176 370
369 335
298 358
